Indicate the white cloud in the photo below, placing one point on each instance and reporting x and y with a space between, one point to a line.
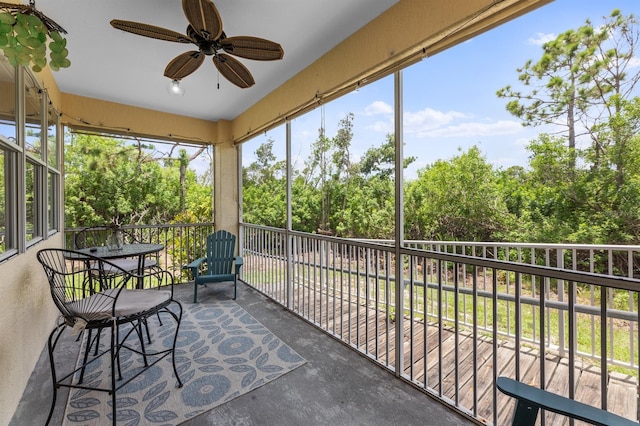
429 119
468 129
540 38
431 123
378 107
385 127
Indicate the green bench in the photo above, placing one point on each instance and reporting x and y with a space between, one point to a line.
532 399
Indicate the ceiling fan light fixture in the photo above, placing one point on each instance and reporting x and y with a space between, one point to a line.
175 88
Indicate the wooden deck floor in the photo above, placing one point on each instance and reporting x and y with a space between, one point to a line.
453 378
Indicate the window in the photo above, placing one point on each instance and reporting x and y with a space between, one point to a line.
31 197
53 200
29 162
53 175
52 137
7 101
33 117
9 198
8 158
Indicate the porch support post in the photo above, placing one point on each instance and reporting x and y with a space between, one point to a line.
399 229
226 204
289 243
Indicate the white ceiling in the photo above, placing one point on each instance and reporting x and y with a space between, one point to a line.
121 67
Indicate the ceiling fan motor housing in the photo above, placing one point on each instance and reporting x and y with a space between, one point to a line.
207 46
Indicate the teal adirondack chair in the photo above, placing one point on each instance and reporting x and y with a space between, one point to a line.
218 264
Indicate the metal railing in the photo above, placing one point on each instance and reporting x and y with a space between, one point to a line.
182 243
465 313
552 315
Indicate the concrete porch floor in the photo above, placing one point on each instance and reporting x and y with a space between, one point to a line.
336 386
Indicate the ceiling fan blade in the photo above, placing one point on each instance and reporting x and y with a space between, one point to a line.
149 31
252 48
203 17
184 64
233 70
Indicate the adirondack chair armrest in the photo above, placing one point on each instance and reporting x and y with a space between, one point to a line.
531 400
195 266
239 262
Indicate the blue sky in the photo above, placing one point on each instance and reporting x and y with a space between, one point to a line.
450 100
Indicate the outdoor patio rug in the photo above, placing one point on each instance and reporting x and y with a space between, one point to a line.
222 353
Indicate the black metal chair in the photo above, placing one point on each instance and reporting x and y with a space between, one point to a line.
91 297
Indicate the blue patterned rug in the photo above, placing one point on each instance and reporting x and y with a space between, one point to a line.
222 353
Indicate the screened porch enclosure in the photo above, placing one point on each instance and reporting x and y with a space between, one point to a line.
446 318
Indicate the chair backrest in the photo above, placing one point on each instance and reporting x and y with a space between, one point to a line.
73 278
88 287
92 236
221 246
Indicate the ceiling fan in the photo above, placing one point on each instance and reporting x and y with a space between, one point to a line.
205 31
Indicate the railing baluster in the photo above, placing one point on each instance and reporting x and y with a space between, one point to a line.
440 326
494 358
604 375
456 327
518 326
560 292
475 336
541 348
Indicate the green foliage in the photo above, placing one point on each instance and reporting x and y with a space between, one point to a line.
457 200
23 40
107 181
585 80
331 193
381 160
265 189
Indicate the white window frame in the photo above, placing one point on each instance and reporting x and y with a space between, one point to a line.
47 219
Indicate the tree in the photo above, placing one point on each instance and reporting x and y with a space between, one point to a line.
265 168
331 193
547 195
329 169
609 193
573 82
264 189
381 160
108 181
585 82
457 200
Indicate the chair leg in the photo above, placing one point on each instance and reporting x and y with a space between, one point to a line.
178 319
97 343
87 349
195 292
51 345
146 326
235 288
525 414
114 354
139 332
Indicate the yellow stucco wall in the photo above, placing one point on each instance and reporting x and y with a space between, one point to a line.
27 316
106 116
